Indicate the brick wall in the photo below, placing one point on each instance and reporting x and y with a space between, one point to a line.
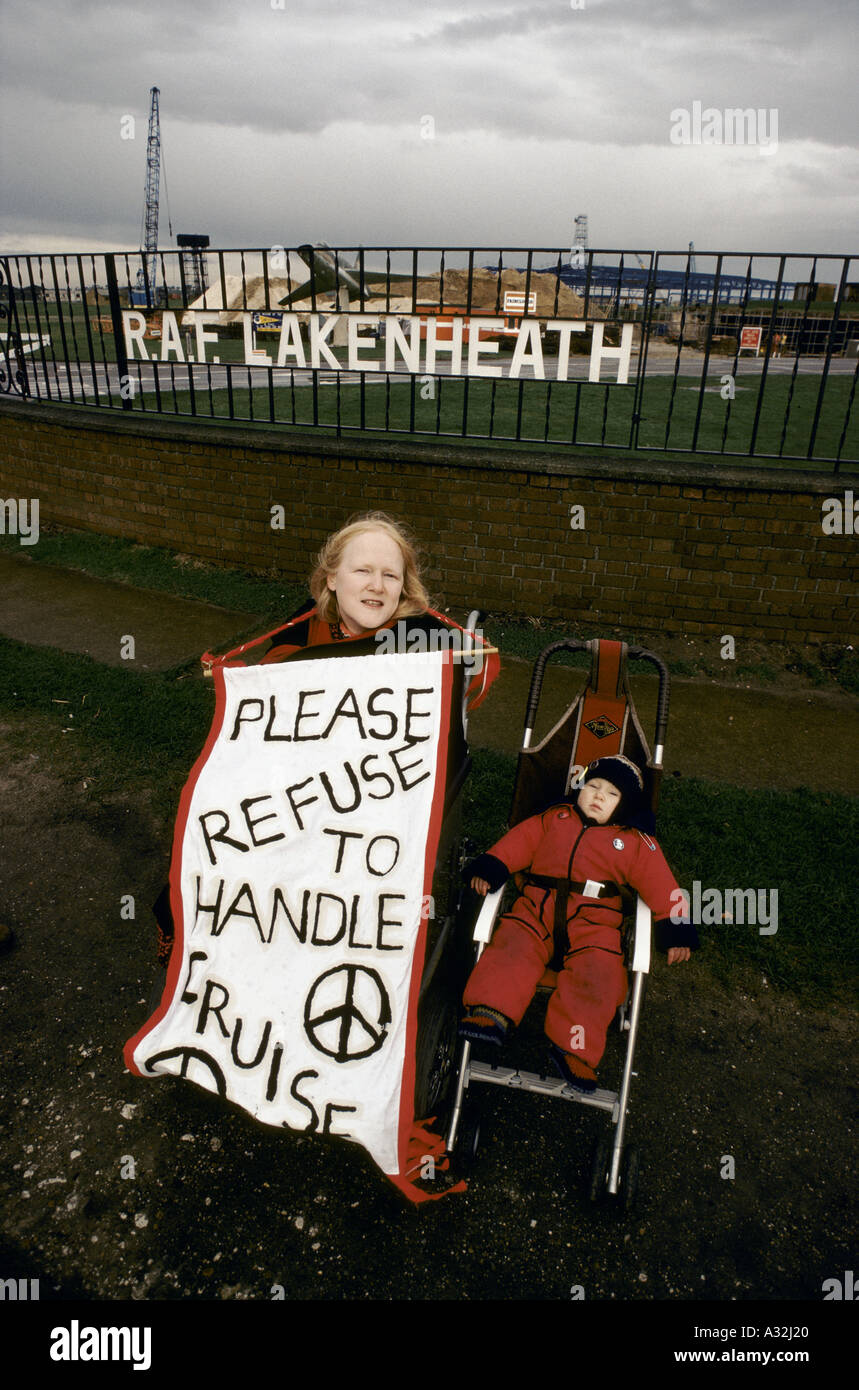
665 546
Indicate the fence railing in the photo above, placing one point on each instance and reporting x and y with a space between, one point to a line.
743 356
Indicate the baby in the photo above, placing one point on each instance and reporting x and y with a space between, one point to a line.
577 855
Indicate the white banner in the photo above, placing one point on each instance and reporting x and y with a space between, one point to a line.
300 885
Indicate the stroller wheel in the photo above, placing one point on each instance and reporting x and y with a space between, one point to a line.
468 1139
630 1164
599 1168
436 1052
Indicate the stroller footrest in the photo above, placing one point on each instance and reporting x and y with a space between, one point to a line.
543 1085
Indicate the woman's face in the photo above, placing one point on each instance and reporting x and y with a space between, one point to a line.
368 582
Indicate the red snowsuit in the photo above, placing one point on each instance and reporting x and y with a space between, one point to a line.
559 844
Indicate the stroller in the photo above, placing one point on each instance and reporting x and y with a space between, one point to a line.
602 720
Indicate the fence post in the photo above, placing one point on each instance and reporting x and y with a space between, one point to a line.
11 346
647 308
118 331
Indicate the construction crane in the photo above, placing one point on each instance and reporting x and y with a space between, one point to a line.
578 255
192 255
149 230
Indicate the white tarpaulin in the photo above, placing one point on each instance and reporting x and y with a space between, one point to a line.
300 883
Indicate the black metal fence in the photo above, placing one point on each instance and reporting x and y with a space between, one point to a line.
743 356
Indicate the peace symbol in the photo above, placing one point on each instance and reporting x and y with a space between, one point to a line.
346 1013
189 1054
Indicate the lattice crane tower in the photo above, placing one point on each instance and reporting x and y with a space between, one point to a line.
150 207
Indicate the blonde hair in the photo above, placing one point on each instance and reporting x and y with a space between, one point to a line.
414 597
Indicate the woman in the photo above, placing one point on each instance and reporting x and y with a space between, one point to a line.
365 582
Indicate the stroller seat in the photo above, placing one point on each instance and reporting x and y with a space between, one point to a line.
600 721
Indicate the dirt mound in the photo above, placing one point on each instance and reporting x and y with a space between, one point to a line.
450 290
554 299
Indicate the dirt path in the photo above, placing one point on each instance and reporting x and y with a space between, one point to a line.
120 1188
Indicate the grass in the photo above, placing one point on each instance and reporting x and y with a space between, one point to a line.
150 567
555 414
141 718
800 843
842 663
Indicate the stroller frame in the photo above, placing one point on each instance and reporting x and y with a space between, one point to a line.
607 1162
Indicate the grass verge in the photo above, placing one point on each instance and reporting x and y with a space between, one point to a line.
778 420
149 567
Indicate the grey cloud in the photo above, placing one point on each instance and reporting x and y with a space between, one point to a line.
254 101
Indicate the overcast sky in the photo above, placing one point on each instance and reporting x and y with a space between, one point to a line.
384 122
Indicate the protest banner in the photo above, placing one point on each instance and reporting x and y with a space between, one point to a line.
301 877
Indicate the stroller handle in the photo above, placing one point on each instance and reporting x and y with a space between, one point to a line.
642 654
572 644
